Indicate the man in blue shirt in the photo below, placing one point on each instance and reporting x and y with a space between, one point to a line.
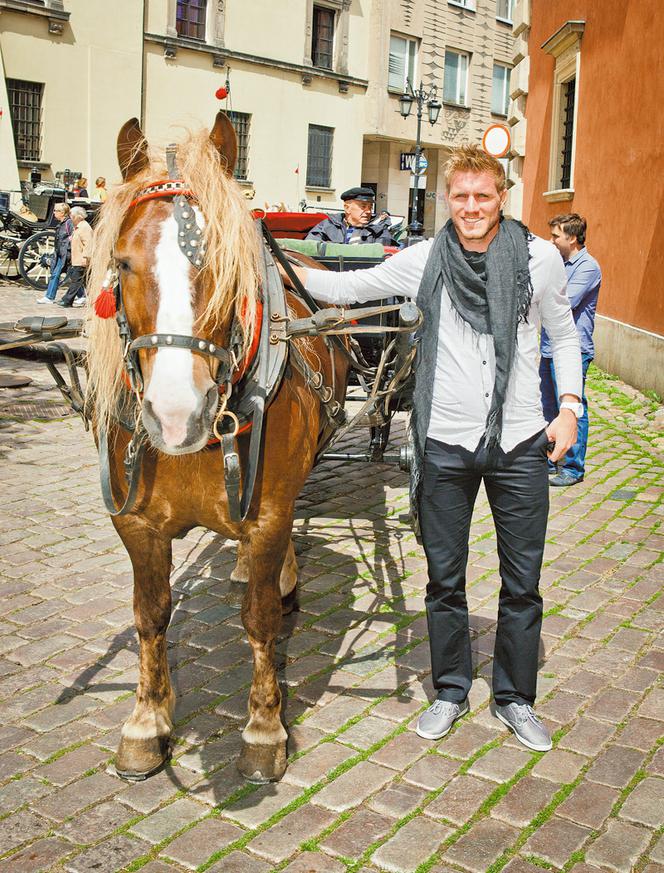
584 278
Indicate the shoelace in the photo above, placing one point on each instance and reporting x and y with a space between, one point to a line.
439 705
525 712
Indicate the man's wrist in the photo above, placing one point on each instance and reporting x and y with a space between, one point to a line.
571 404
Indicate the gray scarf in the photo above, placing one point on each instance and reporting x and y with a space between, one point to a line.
494 306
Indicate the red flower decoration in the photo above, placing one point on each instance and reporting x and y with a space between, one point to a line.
221 93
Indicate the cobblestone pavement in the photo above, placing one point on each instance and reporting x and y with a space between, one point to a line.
362 791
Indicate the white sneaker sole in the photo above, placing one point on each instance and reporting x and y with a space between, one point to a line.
429 736
533 746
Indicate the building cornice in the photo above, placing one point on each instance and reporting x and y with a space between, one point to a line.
53 10
220 57
564 37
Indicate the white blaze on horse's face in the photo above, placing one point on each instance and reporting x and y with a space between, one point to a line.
172 393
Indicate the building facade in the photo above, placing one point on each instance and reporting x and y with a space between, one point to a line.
462 47
590 80
314 88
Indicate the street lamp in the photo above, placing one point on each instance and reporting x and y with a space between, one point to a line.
420 97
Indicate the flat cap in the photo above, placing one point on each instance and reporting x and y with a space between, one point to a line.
358 194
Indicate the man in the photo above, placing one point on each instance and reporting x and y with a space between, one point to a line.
584 278
483 285
356 224
62 251
81 245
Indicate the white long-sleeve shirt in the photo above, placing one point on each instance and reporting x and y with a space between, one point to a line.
466 365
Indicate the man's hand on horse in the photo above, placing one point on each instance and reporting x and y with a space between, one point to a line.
300 272
562 430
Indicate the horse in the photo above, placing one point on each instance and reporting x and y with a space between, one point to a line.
179 259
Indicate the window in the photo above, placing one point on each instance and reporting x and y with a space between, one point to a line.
500 91
241 121
504 10
190 18
323 37
25 107
464 4
455 80
319 156
401 63
568 93
565 47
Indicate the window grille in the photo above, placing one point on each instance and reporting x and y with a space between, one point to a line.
323 37
455 78
241 122
401 62
569 89
190 18
500 92
319 156
25 107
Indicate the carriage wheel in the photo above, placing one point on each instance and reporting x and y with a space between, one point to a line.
34 259
9 249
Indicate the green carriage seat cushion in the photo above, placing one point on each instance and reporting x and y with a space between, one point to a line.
316 249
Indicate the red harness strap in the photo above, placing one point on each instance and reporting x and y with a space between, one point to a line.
162 188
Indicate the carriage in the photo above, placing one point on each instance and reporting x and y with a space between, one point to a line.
205 367
27 243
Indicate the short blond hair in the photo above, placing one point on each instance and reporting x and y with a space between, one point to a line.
62 207
472 159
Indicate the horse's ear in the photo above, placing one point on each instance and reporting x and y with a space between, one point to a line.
225 141
132 149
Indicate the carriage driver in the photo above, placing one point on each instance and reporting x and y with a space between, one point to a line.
357 224
484 284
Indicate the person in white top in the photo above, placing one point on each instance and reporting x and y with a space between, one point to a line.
484 285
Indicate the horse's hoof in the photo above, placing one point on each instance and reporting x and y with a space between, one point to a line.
137 760
260 764
289 603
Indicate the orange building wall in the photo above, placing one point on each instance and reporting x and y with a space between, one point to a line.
619 165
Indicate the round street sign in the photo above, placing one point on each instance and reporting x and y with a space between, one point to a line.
496 140
423 164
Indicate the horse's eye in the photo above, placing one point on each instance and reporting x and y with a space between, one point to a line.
123 265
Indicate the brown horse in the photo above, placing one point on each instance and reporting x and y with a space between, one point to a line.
165 291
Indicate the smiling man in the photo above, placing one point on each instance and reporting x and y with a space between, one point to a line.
484 286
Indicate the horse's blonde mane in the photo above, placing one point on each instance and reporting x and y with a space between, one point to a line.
230 269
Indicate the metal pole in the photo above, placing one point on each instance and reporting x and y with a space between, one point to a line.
415 228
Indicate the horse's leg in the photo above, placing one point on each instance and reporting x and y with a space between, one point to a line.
287 580
240 572
263 756
144 744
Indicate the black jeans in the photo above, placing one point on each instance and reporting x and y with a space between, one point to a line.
517 487
76 276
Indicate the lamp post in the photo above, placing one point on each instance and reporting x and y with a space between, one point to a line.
420 97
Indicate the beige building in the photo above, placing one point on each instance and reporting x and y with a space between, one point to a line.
73 77
463 48
314 87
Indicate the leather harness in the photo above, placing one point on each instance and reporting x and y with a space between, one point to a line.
258 378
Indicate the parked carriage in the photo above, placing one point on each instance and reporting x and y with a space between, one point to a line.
27 244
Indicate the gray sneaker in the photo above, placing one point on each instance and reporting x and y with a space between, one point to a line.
524 724
437 720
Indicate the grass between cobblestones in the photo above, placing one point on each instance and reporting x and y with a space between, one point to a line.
599 383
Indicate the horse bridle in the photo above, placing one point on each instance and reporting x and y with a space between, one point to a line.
191 243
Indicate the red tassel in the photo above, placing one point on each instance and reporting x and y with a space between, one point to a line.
105 303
